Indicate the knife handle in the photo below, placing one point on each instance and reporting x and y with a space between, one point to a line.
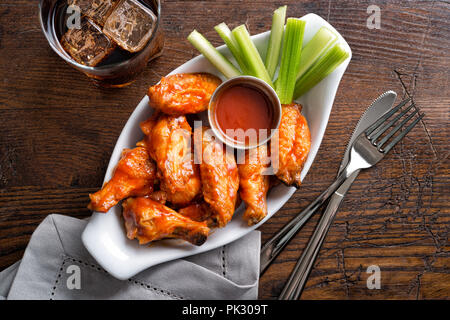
299 275
275 245
297 280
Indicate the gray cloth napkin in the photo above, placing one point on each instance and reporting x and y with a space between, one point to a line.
56 265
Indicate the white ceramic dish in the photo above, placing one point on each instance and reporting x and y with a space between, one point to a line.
105 237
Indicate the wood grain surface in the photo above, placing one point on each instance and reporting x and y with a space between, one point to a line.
57 132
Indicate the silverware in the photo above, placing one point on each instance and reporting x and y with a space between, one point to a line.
381 105
366 151
274 246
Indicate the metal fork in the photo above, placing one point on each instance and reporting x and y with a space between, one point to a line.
367 150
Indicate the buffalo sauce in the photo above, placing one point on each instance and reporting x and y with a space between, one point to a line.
243 107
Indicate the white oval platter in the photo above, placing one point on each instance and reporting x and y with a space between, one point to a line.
105 237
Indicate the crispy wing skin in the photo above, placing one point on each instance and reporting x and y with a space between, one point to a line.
158 196
148 220
134 176
254 184
220 178
294 145
199 211
147 127
169 144
183 93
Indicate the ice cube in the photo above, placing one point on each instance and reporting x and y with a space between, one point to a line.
130 25
97 10
87 45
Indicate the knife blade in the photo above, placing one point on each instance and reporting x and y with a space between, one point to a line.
380 106
376 109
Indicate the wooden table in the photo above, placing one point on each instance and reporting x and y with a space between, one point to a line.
57 132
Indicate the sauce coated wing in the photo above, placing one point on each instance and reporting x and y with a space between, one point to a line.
294 143
183 93
148 220
169 144
134 176
254 184
199 211
220 179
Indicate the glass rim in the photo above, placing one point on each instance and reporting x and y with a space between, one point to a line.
101 68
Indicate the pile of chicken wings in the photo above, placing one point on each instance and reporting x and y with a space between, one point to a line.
167 194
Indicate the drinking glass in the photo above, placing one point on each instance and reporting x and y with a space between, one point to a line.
116 74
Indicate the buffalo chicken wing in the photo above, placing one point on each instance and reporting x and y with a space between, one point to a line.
199 211
220 179
294 142
183 93
148 220
169 144
134 176
254 184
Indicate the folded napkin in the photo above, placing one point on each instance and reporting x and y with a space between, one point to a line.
56 265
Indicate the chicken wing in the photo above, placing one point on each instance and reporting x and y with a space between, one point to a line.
183 93
158 196
134 176
294 143
169 144
198 211
219 174
148 220
254 184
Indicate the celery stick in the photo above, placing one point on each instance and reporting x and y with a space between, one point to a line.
214 56
276 37
322 68
315 48
290 59
227 37
253 61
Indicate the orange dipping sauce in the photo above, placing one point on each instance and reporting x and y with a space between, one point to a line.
243 107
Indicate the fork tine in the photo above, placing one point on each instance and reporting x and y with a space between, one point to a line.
402 134
374 126
397 127
387 125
